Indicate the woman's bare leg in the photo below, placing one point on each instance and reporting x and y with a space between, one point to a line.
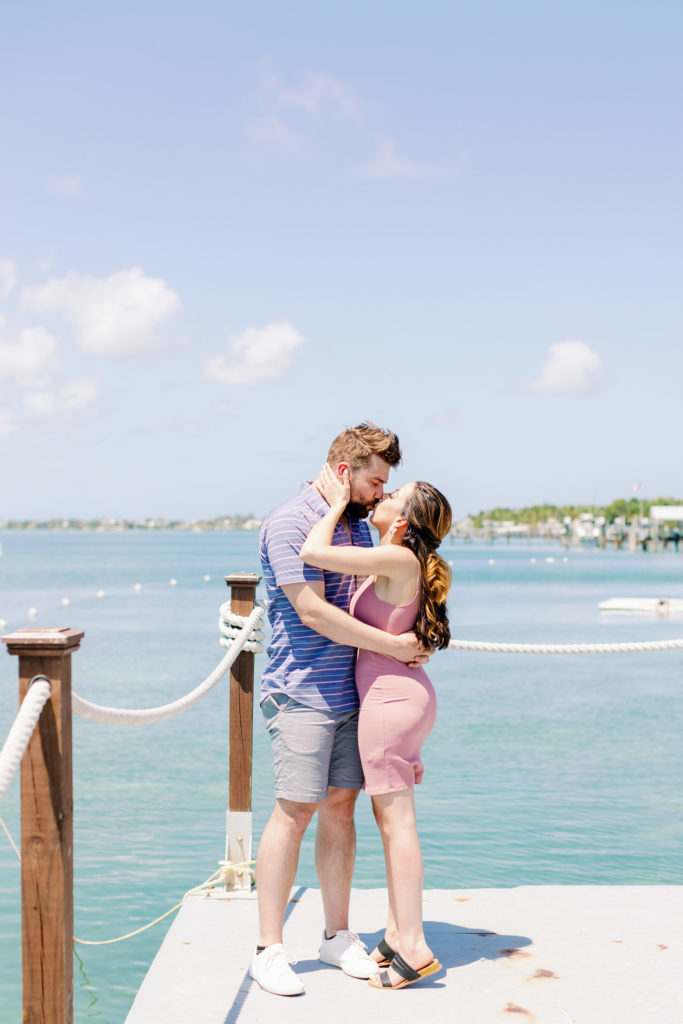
391 931
395 814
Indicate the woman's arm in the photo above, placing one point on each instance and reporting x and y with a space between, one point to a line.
337 491
308 601
318 549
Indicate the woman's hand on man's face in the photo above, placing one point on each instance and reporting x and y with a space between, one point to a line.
336 489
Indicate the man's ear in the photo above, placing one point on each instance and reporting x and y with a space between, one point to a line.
343 467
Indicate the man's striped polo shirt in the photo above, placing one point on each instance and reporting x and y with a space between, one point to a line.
317 672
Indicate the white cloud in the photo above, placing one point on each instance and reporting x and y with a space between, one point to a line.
6 424
113 316
572 367
27 356
315 95
256 355
77 395
8 278
69 186
388 162
287 113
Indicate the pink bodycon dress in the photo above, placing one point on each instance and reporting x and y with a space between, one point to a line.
397 703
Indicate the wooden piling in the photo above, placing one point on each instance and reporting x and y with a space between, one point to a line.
242 594
238 841
47 829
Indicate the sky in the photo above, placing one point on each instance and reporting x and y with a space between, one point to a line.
228 231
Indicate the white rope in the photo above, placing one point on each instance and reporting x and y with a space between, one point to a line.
19 735
231 625
140 716
621 648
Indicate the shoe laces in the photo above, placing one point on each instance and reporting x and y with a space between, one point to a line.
281 954
354 940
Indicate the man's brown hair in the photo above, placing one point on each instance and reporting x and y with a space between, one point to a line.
356 445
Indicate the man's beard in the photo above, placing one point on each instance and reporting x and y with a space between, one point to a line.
357 511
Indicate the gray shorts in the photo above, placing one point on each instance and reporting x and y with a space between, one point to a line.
312 750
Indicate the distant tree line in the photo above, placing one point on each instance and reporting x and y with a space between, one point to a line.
220 523
536 514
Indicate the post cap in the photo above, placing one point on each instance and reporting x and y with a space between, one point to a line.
244 579
43 640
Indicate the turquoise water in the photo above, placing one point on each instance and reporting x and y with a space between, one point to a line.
560 770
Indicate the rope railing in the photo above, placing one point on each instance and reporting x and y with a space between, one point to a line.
634 647
145 716
47 795
230 626
22 728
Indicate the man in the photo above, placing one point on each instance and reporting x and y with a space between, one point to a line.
310 704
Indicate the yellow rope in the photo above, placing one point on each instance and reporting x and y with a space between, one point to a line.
227 869
108 942
222 875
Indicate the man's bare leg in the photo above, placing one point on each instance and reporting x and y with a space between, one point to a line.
335 851
278 856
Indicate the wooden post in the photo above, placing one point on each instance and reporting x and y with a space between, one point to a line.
238 827
47 829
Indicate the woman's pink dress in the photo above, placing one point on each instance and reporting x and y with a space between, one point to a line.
397 703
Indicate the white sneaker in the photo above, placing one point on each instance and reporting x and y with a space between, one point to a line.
347 951
271 970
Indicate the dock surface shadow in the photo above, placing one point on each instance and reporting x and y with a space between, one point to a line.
537 954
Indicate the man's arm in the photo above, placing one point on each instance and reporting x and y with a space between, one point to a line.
308 600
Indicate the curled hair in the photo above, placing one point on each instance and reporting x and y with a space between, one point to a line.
429 519
357 445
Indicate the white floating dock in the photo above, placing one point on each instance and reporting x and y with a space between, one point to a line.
651 605
534 954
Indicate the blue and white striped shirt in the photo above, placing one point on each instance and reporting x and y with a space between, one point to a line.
317 672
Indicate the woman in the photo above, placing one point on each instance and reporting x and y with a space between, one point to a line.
407 589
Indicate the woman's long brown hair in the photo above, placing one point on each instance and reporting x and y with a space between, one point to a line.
429 519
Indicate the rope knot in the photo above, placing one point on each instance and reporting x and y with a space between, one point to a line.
229 868
231 625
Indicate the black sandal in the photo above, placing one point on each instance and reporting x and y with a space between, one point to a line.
387 952
405 971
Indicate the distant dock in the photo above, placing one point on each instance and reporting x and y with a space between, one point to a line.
534 954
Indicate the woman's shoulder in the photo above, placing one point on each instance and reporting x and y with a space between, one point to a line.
401 562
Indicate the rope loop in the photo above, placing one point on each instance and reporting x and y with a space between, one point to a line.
230 625
20 733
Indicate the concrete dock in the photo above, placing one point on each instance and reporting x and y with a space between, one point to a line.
534 954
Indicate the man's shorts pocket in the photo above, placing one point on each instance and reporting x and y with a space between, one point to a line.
274 703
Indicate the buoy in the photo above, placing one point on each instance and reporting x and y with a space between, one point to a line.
32 612
533 561
550 559
565 559
450 561
207 578
3 624
492 561
65 601
100 593
137 588
173 582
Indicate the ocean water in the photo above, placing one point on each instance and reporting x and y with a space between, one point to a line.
556 770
